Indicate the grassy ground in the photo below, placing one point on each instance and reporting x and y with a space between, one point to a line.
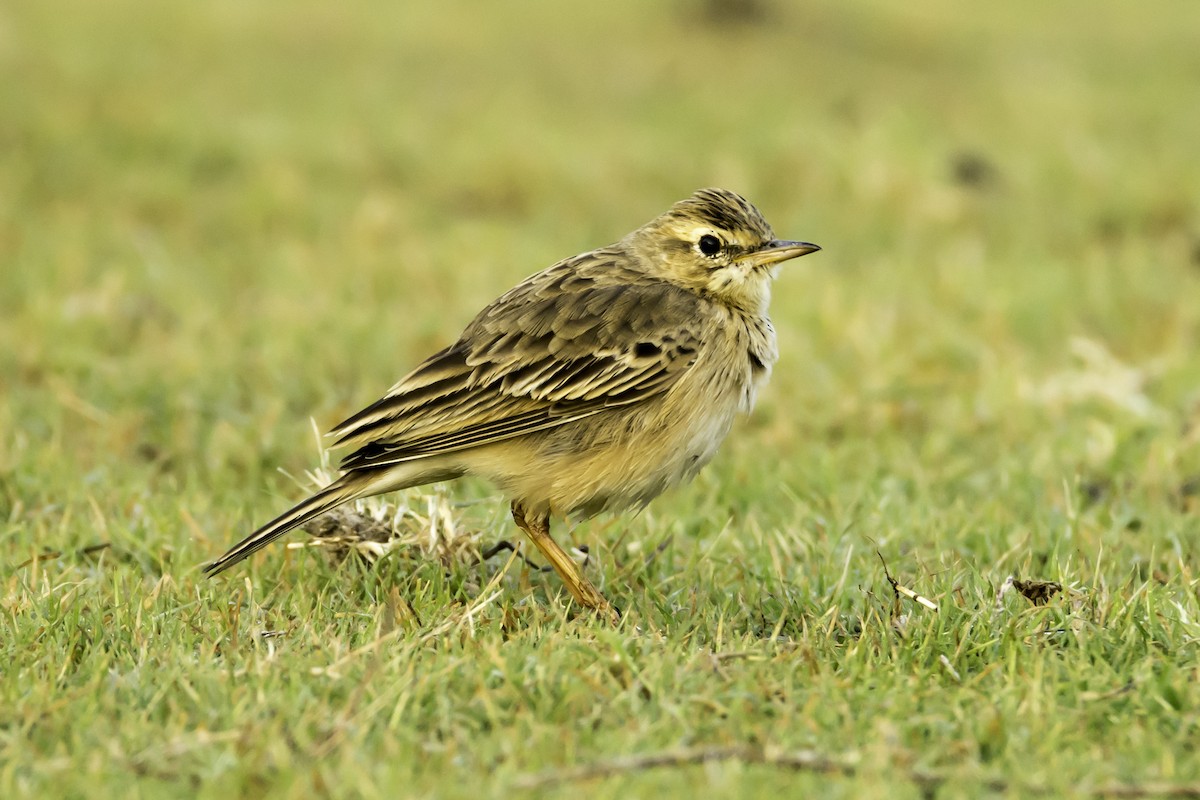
218 220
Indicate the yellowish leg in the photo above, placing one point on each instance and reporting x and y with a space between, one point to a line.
537 528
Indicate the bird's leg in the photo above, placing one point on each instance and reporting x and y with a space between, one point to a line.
537 528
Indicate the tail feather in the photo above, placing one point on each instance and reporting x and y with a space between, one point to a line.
348 487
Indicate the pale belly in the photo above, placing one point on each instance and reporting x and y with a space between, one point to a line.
626 457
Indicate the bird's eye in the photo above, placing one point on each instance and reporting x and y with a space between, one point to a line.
709 244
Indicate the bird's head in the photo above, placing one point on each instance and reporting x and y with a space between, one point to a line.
716 243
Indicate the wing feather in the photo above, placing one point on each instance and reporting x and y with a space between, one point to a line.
570 342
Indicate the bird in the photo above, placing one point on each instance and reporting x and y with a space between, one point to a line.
591 386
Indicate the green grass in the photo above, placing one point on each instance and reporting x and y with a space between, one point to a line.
218 220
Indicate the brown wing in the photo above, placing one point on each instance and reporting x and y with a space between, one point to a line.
581 337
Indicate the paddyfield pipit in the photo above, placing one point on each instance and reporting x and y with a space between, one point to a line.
591 386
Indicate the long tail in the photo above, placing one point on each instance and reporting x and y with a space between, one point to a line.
348 487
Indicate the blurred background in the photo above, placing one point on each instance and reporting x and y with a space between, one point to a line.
219 219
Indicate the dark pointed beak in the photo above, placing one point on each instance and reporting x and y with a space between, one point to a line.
777 251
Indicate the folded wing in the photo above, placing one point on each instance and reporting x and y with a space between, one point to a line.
567 343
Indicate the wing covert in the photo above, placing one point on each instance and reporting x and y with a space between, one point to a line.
561 346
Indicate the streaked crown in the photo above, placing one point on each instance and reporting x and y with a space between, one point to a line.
724 210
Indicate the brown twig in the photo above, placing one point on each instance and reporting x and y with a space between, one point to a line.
803 760
503 546
50 555
820 763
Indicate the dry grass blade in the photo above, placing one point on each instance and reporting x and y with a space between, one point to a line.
904 591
